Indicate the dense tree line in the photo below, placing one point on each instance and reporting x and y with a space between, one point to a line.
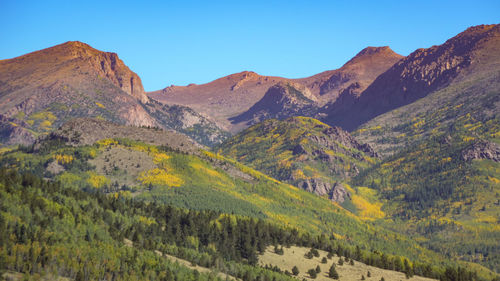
45 227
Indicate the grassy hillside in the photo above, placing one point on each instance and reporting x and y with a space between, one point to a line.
297 257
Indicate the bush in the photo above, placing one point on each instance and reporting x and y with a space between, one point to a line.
312 273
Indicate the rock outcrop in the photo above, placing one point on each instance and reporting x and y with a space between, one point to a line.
482 150
338 193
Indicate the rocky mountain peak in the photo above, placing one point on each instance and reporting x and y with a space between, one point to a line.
419 74
371 53
65 58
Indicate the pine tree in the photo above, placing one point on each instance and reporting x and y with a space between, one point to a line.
362 277
295 270
312 273
369 274
324 260
332 273
341 261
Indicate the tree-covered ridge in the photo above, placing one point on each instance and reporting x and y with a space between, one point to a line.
301 151
47 229
472 105
443 193
206 182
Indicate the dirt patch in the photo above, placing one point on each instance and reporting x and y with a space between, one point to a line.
122 165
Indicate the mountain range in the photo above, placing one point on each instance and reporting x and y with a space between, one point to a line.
394 159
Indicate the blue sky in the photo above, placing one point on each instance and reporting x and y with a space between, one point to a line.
182 42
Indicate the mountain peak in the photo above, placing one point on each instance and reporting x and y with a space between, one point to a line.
478 29
370 53
75 44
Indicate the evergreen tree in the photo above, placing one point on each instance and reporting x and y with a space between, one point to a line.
332 272
312 273
295 270
318 269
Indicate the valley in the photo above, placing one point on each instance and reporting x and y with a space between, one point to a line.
389 164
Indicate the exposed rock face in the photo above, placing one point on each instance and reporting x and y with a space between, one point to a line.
421 73
316 186
333 135
338 193
482 150
12 133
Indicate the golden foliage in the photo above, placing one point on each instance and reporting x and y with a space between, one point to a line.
160 158
63 159
146 221
97 181
100 105
366 209
107 142
158 176
298 174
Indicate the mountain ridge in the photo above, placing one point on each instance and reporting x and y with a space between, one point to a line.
42 90
228 97
422 72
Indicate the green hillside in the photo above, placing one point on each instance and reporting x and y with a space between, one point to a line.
301 151
204 181
472 105
439 195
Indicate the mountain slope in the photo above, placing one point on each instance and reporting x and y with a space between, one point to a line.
233 96
194 179
446 189
471 52
303 152
42 90
281 101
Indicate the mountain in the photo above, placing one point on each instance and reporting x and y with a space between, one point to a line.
233 100
353 77
153 165
42 90
439 174
301 151
470 53
281 101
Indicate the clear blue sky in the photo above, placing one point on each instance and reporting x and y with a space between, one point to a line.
181 42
